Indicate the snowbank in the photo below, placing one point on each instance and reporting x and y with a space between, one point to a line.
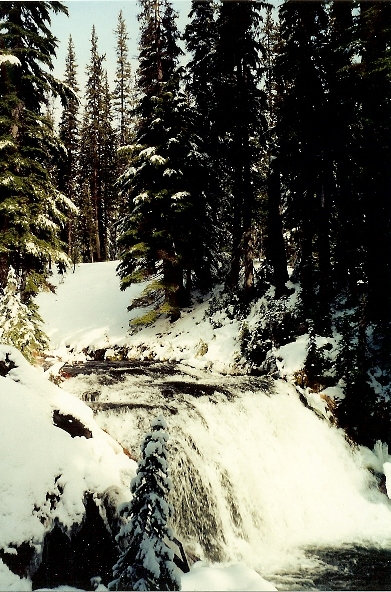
223 577
45 472
89 312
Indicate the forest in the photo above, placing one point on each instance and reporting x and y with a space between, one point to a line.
260 165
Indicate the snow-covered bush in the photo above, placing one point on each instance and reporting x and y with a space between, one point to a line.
146 560
20 323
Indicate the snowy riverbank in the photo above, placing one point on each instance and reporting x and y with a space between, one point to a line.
89 312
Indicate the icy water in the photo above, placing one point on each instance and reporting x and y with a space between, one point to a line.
344 568
257 477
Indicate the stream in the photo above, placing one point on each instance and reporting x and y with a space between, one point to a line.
257 477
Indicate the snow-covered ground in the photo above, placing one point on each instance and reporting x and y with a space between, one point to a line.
39 459
88 311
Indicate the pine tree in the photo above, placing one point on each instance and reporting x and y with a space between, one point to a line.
20 324
201 39
159 233
201 79
108 172
274 241
90 163
123 95
146 561
302 139
98 163
240 116
32 210
70 136
343 124
374 33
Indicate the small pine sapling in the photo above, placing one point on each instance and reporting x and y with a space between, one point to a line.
20 323
146 561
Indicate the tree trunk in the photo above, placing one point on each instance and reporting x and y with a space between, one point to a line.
325 285
275 245
173 282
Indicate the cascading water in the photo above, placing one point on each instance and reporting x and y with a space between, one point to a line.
257 477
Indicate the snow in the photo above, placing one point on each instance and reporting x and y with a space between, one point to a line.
10 59
6 143
11 582
147 152
88 311
223 577
39 458
291 357
158 160
387 472
180 195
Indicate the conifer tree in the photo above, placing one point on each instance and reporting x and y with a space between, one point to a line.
302 139
123 95
201 38
20 324
201 80
146 561
274 241
32 210
343 124
240 116
69 171
108 172
158 234
90 161
98 160
375 181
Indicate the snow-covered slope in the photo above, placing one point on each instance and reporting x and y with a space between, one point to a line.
89 312
45 472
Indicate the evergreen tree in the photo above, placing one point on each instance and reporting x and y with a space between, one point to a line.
32 210
159 234
240 117
90 162
20 324
302 140
98 161
374 33
146 562
70 136
343 123
201 79
274 240
123 95
201 38
109 171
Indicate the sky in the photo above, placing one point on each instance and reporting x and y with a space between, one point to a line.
103 14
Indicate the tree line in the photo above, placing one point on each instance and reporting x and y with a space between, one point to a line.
263 150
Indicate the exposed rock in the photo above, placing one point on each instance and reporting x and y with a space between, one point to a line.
19 559
87 552
6 365
70 424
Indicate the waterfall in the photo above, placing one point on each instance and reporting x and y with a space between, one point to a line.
256 475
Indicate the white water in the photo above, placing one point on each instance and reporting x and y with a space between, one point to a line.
255 478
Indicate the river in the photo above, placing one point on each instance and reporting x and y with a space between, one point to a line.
257 476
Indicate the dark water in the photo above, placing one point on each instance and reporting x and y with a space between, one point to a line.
344 568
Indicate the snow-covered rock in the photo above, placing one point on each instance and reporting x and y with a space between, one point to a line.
46 469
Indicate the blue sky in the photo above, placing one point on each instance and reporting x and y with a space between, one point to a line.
103 14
